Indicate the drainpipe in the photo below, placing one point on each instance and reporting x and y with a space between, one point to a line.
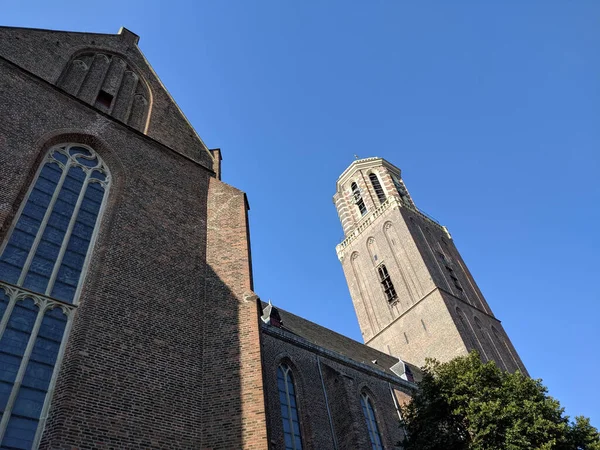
335 445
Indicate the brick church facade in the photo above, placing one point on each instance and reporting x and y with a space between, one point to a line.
117 235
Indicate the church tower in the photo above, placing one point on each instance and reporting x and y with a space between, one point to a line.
413 294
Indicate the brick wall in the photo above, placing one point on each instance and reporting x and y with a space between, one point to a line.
164 349
343 386
47 53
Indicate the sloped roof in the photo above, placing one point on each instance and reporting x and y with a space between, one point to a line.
343 345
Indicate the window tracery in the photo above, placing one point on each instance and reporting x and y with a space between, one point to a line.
48 244
42 265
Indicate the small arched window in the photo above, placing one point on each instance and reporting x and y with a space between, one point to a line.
369 413
289 408
377 187
386 283
358 200
42 264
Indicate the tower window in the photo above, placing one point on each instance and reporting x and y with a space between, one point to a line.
399 187
369 413
289 409
386 283
454 279
377 186
358 200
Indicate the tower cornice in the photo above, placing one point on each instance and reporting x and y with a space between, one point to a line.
361 164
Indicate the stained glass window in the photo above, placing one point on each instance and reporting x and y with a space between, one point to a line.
289 408
49 243
42 263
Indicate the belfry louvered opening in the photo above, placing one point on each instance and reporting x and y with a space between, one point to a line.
358 200
386 283
42 265
377 187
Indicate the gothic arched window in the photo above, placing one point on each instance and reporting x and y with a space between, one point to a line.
42 263
377 187
358 200
386 283
49 242
289 408
369 413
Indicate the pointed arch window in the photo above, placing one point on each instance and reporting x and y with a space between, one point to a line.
42 265
358 200
369 412
48 245
386 283
377 187
289 408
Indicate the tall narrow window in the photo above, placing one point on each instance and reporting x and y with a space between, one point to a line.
386 283
453 278
450 271
41 269
377 187
358 200
289 408
369 413
400 187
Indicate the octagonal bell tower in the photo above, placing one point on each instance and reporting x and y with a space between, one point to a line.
412 292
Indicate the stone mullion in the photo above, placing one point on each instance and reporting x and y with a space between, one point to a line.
22 368
12 300
42 228
51 386
68 233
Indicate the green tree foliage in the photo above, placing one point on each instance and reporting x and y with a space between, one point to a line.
467 405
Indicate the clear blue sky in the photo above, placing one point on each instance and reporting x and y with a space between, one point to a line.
491 109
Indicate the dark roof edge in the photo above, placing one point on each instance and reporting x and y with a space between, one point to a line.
48 30
303 343
329 330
